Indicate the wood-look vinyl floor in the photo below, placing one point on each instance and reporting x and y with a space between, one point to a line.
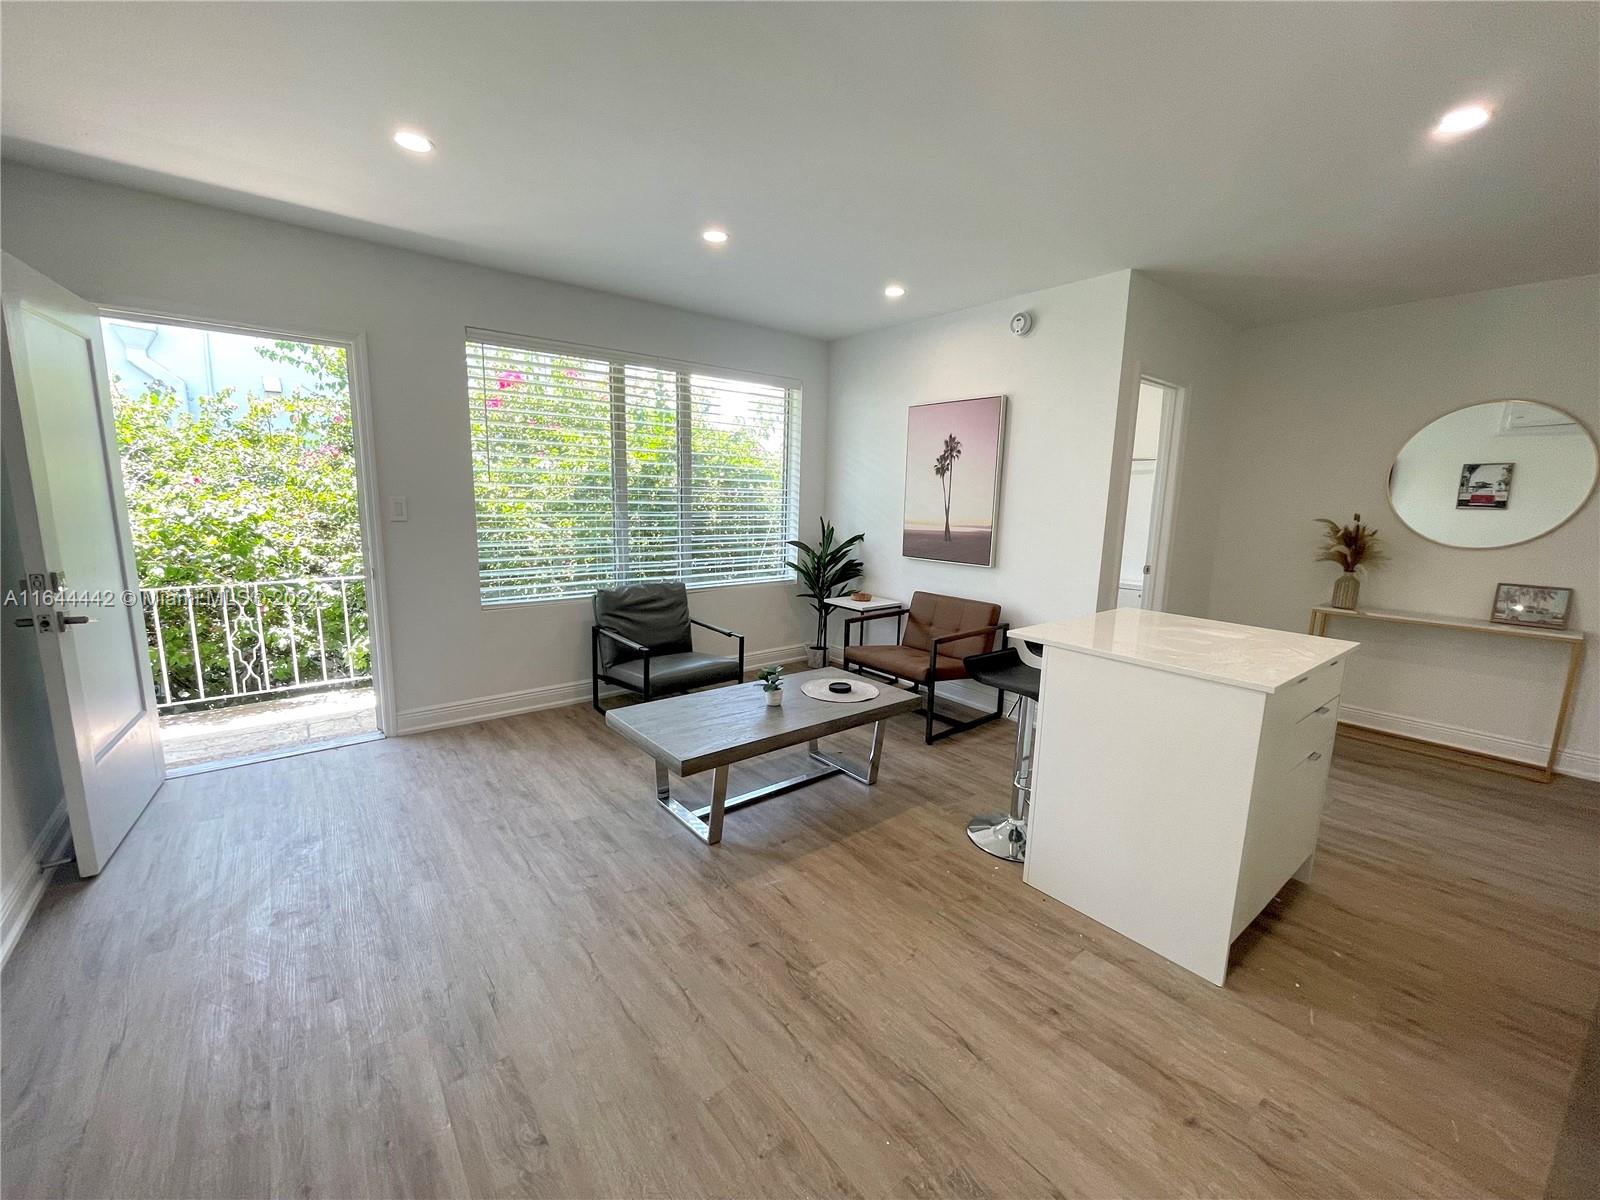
483 962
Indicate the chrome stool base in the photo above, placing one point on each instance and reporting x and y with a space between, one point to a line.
1005 835
999 834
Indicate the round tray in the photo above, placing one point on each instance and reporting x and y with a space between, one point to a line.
817 689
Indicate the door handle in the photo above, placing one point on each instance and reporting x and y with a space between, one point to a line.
66 620
24 622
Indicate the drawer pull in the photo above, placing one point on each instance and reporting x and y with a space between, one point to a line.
1314 755
1322 712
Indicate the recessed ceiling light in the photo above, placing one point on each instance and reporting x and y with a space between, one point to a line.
410 139
894 291
1462 120
715 236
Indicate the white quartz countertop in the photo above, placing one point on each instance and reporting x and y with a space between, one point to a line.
1242 655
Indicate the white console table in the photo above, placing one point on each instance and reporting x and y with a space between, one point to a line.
849 604
1179 774
1571 638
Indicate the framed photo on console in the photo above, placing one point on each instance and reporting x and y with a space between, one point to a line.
1531 604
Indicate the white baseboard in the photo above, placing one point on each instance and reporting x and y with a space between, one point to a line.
22 894
554 695
1581 764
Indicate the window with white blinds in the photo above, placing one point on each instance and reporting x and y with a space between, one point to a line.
593 468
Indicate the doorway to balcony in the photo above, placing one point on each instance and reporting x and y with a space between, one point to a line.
242 462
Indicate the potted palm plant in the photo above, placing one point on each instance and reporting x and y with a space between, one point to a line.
1355 547
824 570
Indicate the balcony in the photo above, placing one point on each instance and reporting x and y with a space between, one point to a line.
244 668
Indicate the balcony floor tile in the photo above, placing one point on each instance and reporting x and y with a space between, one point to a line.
263 726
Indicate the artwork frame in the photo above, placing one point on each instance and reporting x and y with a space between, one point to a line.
1485 486
1531 605
938 523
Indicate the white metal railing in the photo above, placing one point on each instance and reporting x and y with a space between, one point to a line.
254 638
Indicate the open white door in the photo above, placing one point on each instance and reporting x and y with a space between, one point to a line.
82 586
1147 515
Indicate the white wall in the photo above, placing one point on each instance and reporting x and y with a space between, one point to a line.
1062 381
1321 407
451 658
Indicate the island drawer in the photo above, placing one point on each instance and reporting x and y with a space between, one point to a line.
1299 699
1292 743
1281 831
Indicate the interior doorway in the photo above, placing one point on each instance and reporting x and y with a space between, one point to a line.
1141 580
242 472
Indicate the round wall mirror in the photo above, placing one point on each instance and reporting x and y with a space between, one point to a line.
1494 474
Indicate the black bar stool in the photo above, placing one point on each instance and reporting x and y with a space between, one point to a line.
1005 835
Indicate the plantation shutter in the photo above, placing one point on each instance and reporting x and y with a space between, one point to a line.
593 468
542 472
739 489
653 524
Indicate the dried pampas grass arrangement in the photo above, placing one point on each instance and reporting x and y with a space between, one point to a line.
1355 547
1352 546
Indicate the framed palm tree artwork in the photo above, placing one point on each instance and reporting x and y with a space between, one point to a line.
953 480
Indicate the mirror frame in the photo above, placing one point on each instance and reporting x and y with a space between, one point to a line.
1388 478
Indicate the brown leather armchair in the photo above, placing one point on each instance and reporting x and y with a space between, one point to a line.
936 633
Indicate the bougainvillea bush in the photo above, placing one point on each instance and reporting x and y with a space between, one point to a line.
247 490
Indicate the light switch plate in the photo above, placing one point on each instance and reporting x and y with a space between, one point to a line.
397 508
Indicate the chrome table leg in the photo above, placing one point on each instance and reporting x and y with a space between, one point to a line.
706 823
874 757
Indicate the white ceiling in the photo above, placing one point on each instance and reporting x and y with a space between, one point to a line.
1272 161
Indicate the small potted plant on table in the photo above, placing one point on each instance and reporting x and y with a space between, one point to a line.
770 681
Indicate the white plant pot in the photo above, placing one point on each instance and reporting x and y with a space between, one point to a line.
816 656
775 698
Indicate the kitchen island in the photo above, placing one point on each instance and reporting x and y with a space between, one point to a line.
1180 771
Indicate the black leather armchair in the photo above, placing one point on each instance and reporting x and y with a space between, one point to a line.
642 640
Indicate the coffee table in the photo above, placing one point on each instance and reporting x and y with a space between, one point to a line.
707 731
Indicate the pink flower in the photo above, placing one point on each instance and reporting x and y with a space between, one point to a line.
196 479
494 402
570 373
509 379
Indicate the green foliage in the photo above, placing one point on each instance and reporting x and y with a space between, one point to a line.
825 570
770 679
248 491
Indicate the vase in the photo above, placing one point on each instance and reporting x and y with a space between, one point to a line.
1346 589
774 697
